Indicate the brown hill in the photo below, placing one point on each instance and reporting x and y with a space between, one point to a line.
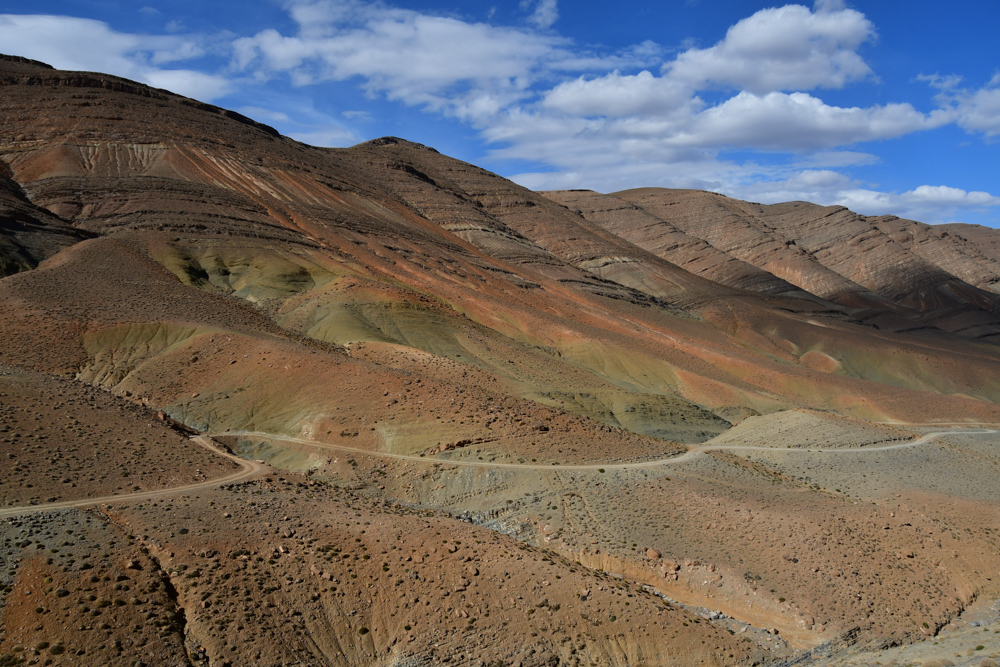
885 271
63 440
668 242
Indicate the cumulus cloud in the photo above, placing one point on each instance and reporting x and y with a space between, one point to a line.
799 122
84 44
618 95
783 48
685 131
942 195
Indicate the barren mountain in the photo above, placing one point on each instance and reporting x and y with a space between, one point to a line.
394 344
885 271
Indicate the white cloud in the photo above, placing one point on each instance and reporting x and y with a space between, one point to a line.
545 15
975 110
980 110
358 115
84 44
799 122
927 203
944 196
983 113
603 146
618 95
469 70
299 119
420 59
783 48
189 83
265 115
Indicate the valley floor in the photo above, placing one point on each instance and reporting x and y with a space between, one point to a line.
821 548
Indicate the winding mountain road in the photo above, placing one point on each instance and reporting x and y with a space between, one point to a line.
250 468
692 453
247 469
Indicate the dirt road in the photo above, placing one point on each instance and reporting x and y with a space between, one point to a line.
247 469
251 468
692 453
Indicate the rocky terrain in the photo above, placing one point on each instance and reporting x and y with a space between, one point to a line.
265 403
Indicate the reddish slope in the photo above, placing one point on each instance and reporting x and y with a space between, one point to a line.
390 242
835 254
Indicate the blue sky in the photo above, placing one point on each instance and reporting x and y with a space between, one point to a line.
885 107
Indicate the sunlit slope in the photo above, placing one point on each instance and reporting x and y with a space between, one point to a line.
243 232
217 364
894 274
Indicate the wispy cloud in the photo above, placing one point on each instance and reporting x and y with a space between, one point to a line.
301 121
976 110
544 14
